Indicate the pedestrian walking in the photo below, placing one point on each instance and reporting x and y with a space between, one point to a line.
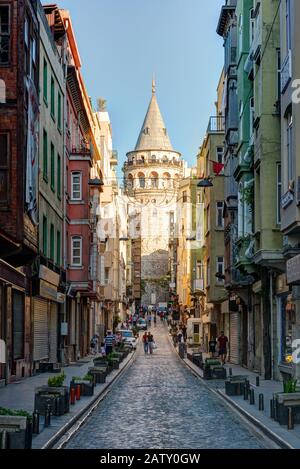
109 342
145 343
149 318
222 343
154 320
150 343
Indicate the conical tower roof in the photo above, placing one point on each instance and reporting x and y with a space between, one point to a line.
153 135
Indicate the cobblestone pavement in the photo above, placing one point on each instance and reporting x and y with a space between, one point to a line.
158 403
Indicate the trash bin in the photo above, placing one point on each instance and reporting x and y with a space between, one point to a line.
182 350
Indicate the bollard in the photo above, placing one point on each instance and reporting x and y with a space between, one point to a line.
230 371
245 392
78 392
48 416
272 414
275 407
257 381
4 439
36 422
261 405
252 397
72 395
290 419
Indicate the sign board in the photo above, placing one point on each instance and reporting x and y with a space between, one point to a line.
293 271
48 275
287 199
2 351
64 328
48 291
61 297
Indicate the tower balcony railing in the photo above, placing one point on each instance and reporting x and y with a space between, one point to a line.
152 162
216 124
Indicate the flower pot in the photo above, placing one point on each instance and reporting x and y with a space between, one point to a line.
19 431
86 387
99 373
57 397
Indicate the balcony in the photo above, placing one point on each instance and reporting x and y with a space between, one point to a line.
114 158
245 256
216 125
83 149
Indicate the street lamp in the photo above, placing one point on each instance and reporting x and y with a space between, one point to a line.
205 183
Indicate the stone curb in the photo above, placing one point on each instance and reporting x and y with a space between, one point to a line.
269 433
87 410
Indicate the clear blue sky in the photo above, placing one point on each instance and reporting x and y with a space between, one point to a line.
122 42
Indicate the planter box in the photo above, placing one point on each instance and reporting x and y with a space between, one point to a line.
218 372
116 363
235 388
207 373
283 401
57 398
19 431
86 387
99 373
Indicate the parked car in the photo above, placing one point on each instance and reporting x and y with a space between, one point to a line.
128 338
141 324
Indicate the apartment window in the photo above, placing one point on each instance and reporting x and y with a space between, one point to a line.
289 143
58 176
45 80
59 111
76 251
219 215
208 218
52 243
45 155
33 72
106 276
18 324
252 26
4 173
279 193
252 115
52 162
241 34
208 273
52 98
4 34
220 155
76 185
199 270
288 25
184 197
220 269
45 236
58 248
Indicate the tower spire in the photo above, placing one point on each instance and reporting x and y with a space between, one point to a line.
153 84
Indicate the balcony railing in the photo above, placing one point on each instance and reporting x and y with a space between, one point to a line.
216 125
152 161
83 149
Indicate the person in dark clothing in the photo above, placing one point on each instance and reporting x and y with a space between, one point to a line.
223 342
150 343
212 347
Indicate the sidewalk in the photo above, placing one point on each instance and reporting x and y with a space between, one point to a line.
261 419
20 395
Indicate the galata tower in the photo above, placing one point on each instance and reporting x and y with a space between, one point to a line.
151 176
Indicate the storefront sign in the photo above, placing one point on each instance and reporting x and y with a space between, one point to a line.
293 271
61 297
287 199
48 291
48 275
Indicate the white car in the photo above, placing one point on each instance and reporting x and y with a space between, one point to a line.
128 338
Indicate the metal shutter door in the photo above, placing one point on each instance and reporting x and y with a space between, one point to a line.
40 329
53 333
234 338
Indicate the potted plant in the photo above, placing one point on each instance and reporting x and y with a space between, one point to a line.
99 373
290 397
54 394
18 424
86 384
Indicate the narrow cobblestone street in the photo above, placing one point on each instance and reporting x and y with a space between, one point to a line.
157 404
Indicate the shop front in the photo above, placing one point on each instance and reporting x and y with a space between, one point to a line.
46 317
14 324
